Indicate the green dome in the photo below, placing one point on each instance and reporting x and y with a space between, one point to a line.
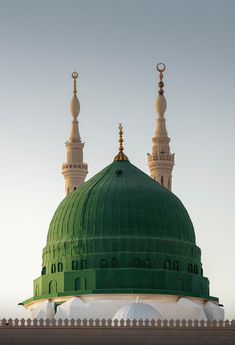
121 232
121 201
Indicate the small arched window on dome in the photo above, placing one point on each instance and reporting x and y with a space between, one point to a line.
190 268
80 283
74 265
195 269
118 172
83 264
179 285
147 263
68 190
44 270
176 266
53 268
200 289
136 262
37 290
167 265
60 267
104 263
52 288
74 188
114 262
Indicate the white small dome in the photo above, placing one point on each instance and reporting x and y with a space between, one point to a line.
213 311
137 311
71 309
188 309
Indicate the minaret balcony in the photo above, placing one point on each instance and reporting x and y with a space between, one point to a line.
74 166
161 157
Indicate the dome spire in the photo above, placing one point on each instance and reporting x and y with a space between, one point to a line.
74 170
161 161
121 156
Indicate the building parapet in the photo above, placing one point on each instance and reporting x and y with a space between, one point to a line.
158 324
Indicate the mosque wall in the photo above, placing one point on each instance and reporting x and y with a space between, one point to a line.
163 332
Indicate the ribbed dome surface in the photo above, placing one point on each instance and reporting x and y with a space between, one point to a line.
137 311
121 200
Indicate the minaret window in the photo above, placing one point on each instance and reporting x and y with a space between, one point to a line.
195 269
169 183
162 181
43 270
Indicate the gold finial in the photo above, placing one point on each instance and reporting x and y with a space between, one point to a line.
121 156
74 76
161 68
120 127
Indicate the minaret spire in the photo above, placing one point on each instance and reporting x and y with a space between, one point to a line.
161 161
74 170
75 110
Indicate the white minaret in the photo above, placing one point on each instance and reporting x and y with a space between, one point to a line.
74 170
161 161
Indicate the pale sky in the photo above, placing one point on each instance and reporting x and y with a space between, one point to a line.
115 45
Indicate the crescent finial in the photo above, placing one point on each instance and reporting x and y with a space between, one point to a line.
161 68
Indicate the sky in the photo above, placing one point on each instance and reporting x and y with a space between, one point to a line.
115 46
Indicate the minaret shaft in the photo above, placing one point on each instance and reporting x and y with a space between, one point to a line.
74 170
74 133
161 161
